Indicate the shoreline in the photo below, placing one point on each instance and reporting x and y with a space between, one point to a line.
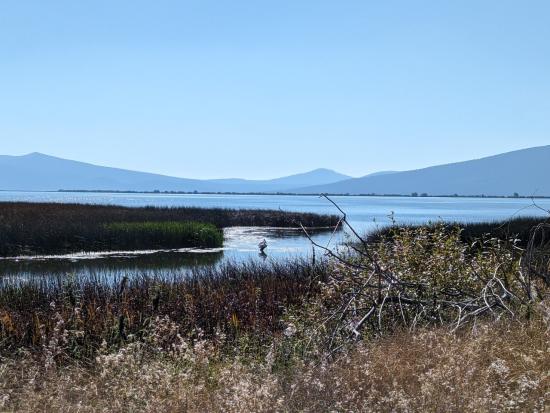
292 194
365 195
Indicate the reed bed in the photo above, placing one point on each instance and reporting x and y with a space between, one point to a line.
229 298
168 234
520 229
51 228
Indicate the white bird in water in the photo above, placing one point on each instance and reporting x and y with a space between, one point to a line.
262 245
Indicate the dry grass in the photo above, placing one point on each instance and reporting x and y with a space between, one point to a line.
497 367
277 338
248 297
493 368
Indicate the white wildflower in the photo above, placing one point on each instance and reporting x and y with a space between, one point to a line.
290 330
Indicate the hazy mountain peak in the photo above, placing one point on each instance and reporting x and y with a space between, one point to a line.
328 176
34 155
323 170
38 155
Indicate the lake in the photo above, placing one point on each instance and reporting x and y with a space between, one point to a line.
364 213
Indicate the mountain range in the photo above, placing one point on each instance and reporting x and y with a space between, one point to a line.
525 172
39 172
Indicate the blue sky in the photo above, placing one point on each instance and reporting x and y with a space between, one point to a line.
261 89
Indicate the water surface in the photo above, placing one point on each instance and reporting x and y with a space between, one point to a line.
364 213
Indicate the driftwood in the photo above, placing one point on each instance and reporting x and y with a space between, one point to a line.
376 293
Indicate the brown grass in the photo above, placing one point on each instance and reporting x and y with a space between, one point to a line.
259 338
230 298
492 368
496 367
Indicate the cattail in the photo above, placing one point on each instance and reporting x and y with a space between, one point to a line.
156 301
121 332
122 285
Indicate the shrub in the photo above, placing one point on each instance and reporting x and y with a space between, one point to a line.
419 277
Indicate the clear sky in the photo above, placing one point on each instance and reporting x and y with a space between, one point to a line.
259 89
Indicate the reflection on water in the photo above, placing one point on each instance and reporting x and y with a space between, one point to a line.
240 241
241 244
107 267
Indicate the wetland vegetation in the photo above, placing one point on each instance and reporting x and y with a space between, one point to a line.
52 228
520 229
166 234
417 319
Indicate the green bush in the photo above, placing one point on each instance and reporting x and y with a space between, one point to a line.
163 235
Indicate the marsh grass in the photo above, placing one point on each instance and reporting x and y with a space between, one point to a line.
51 228
231 298
519 228
168 234
258 337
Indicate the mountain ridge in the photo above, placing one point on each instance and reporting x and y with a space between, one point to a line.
523 171
37 171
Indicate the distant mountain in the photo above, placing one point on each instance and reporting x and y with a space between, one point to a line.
526 172
39 172
287 183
